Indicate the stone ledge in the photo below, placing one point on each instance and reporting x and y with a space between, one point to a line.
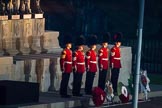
37 15
14 17
5 17
26 16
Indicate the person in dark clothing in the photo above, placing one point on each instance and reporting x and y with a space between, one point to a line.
66 66
115 62
103 61
91 65
78 66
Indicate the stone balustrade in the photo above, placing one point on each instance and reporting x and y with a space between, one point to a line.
26 36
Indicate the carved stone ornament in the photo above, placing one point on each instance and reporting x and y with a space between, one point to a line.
24 7
2 8
15 7
9 7
37 9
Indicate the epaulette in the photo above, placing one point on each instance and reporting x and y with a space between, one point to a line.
63 54
101 50
89 52
113 48
76 53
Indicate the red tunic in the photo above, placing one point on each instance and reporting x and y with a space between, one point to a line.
115 57
66 61
79 61
91 63
103 57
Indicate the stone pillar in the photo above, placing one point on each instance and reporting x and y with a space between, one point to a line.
26 36
16 33
1 47
46 75
38 27
52 70
39 71
58 74
27 69
5 26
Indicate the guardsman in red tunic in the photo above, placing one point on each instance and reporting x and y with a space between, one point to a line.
103 61
91 65
78 66
66 66
115 60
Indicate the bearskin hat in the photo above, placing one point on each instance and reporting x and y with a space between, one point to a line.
67 39
80 40
118 37
92 40
106 37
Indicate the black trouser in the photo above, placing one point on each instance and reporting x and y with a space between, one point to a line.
77 83
102 78
89 82
114 78
64 83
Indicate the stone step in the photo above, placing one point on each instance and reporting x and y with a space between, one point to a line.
37 56
53 100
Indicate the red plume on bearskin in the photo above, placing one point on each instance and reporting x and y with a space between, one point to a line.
118 37
98 96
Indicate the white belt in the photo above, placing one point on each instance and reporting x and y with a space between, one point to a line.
104 58
93 62
81 63
87 57
117 58
68 62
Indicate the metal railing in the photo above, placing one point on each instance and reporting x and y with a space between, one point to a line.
151 55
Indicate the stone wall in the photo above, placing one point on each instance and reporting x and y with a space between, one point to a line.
6 68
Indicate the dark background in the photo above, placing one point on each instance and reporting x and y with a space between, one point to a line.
88 17
98 16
